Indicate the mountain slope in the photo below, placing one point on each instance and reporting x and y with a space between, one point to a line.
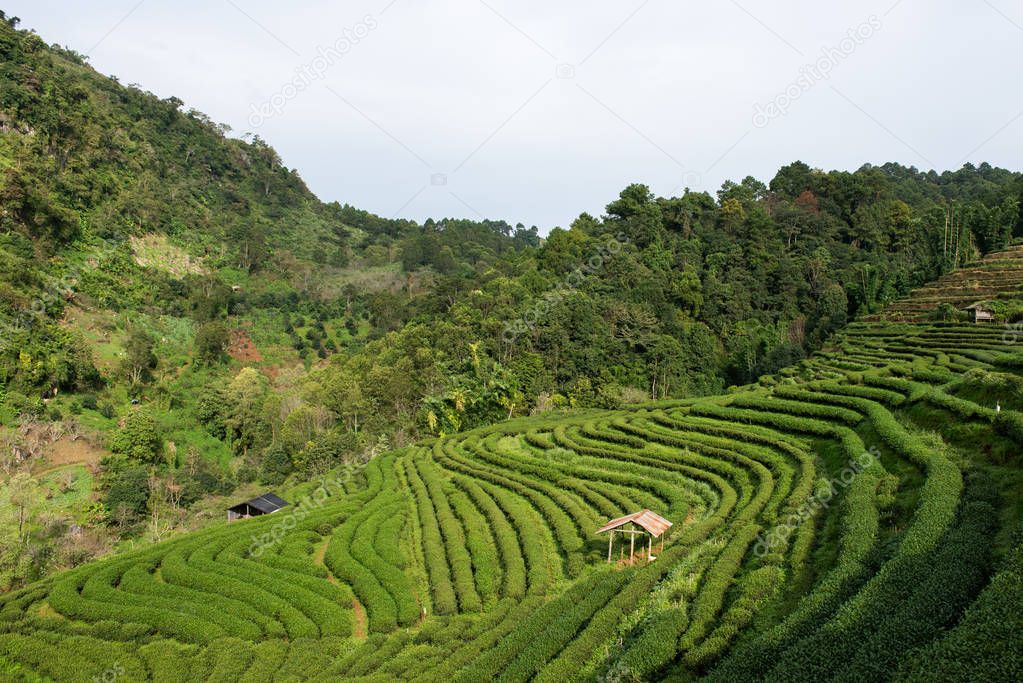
185 325
474 556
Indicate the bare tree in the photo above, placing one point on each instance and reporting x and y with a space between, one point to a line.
24 496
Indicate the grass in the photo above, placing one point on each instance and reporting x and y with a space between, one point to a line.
157 252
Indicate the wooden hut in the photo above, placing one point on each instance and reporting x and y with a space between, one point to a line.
642 523
980 313
260 505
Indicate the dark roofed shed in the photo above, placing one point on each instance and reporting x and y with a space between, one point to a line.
260 505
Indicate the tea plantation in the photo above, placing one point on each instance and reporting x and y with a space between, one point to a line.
855 517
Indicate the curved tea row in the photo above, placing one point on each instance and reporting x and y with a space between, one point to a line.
817 534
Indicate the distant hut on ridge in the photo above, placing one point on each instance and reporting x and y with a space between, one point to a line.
980 313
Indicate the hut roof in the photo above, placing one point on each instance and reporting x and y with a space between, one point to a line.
266 503
651 521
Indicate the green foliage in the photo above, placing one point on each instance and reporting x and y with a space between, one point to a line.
211 411
139 439
277 465
987 639
210 343
243 403
327 452
474 556
127 492
1010 423
443 591
15 405
139 359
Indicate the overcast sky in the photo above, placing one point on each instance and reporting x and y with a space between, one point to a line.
536 111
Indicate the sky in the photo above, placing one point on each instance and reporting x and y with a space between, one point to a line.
536 111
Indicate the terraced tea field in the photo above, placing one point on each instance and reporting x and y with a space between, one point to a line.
996 277
854 518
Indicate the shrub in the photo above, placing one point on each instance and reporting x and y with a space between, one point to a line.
1009 423
210 343
480 546
276 465
18 404
127 491
363 549
139 438
444 599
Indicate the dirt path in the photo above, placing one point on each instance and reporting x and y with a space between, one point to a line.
44 611
318 556
359 630
422 610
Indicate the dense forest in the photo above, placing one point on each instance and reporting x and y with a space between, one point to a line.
168 287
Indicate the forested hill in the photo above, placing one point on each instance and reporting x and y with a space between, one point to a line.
176 295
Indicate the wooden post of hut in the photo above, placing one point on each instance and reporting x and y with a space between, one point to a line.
644 523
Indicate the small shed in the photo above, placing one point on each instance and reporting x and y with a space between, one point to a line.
979 313
265 504
642 523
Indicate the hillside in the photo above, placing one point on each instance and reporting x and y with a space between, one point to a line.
454 407
855 517
147 258
182 321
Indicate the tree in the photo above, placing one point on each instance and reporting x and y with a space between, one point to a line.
303 424
277 465
636 214
329 451
210 410
880 224
139 359
688 292
793 180
665 357
564 250
127 493
701 356
343 395
139 439
830 313
24 496
732 213
244 419
818 267
210 300
210 343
